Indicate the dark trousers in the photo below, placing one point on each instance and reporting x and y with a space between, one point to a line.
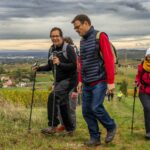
145 100
62 100
73 105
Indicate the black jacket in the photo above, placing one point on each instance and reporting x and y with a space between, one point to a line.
67 67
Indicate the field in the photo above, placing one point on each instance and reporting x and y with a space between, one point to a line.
14 124
14 118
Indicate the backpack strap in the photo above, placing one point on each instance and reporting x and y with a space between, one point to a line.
50 53
113 49
98 34
64 49
76 50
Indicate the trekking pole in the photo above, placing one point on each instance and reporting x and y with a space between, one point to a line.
133 108
54 96
32 98
108 96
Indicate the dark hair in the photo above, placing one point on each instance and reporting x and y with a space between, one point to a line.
58 29
82 18
68 40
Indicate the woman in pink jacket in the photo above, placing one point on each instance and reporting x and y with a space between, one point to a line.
143 81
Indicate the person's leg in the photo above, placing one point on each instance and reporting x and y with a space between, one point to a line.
73 104
98 95
145 100
65 110
62 93
61 126
88 114
52 116
52 111
66 117
59 115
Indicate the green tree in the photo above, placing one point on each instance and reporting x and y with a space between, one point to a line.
17 74
1 84
1 69
123 87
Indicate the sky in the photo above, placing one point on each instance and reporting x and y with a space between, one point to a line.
25 24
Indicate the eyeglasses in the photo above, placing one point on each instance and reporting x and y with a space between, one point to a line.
77 27
54 36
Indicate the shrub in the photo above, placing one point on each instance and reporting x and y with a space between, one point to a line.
124 87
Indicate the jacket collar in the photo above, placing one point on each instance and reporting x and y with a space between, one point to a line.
58 48
89 32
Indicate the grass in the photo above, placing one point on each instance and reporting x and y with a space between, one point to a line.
44 77
14 124
22 96
14 120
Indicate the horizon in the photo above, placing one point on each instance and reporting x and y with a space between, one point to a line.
44 44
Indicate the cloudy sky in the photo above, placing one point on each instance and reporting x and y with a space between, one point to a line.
25 24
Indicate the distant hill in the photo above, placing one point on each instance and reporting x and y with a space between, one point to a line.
131 54
16 56
23 53
13 56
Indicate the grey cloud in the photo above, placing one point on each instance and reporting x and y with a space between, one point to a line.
113 10
133 4
12 12
44 8
38 8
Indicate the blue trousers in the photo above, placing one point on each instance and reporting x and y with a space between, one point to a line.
93 109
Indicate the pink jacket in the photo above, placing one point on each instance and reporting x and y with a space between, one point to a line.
143 80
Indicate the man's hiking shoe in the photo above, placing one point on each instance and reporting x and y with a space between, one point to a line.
68 133
110 135
60 128
49 130
92 142
147 136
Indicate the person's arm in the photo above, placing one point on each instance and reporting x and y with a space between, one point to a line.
46 67
108 60
79 69
79 86
71 58
138 76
